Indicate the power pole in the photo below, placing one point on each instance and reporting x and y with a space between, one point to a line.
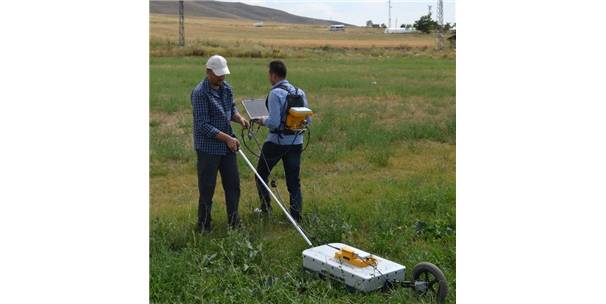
389 15
181 25
440 31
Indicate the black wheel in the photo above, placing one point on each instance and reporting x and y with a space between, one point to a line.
430 282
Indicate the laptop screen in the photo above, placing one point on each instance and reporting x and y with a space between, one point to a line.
255 108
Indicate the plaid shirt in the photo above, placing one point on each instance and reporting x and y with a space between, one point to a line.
212 115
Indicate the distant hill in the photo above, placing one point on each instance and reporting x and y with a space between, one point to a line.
232 10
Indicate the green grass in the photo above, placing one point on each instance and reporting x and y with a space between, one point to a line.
379 174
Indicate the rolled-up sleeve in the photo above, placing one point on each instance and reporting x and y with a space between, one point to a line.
202 124
234 109
275 111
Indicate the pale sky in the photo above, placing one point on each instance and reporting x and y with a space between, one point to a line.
358 11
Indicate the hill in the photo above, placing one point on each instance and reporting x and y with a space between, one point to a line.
232 10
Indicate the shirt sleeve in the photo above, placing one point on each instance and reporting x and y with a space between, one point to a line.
234 109
200 109
275 111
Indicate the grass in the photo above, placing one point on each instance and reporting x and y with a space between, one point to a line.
379 174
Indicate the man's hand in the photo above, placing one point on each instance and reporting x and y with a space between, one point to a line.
259 121
233 144
245 124
241 120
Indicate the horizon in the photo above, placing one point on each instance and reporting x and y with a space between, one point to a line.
348 11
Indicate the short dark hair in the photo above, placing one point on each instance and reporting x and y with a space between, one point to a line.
278 67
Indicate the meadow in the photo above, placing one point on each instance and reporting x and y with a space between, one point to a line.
206 36
379 172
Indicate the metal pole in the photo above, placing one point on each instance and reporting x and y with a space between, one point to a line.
181 25
440 32
275 198
389 10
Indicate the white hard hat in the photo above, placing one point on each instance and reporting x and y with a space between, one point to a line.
218 64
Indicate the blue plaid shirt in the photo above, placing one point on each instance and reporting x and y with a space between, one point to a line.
211 115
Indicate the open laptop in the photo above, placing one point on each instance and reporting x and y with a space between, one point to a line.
255 108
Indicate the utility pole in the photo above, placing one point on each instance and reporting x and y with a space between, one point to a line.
181 25
440 31
389 15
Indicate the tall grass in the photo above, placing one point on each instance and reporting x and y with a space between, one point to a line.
378 174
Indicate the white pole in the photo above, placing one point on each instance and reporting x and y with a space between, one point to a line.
275 198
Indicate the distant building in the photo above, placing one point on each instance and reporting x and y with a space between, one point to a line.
336 27
453 41
259 24
397 31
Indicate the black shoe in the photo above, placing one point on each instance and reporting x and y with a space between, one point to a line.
296 216
202 229
262 212
235 226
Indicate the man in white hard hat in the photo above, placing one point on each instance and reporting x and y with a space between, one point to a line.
213 110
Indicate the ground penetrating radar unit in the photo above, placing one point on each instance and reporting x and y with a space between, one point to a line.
353 267
357 269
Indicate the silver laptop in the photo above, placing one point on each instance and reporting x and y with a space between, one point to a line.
255 108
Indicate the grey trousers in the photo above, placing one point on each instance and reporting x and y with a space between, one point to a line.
207 166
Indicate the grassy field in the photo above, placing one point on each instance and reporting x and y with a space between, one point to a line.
379 174
240 38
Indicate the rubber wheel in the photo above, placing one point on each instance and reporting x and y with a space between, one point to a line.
428 272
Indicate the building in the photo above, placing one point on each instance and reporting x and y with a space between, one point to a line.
336 27
398 30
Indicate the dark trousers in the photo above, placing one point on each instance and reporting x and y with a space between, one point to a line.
291 160
227 165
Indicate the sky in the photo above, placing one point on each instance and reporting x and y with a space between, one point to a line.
357 12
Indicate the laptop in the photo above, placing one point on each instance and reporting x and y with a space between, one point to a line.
255 108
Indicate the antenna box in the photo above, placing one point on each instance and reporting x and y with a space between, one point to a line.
322 260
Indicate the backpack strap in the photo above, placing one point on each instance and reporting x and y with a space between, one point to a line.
281 130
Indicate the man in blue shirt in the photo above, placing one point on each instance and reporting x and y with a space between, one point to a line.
213 109
281 143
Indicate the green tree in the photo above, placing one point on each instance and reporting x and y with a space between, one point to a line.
425 24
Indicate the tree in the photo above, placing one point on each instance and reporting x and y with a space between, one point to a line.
447 26
425 24
369 23
383 25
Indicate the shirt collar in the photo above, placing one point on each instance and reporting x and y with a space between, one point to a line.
209 86
283 81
